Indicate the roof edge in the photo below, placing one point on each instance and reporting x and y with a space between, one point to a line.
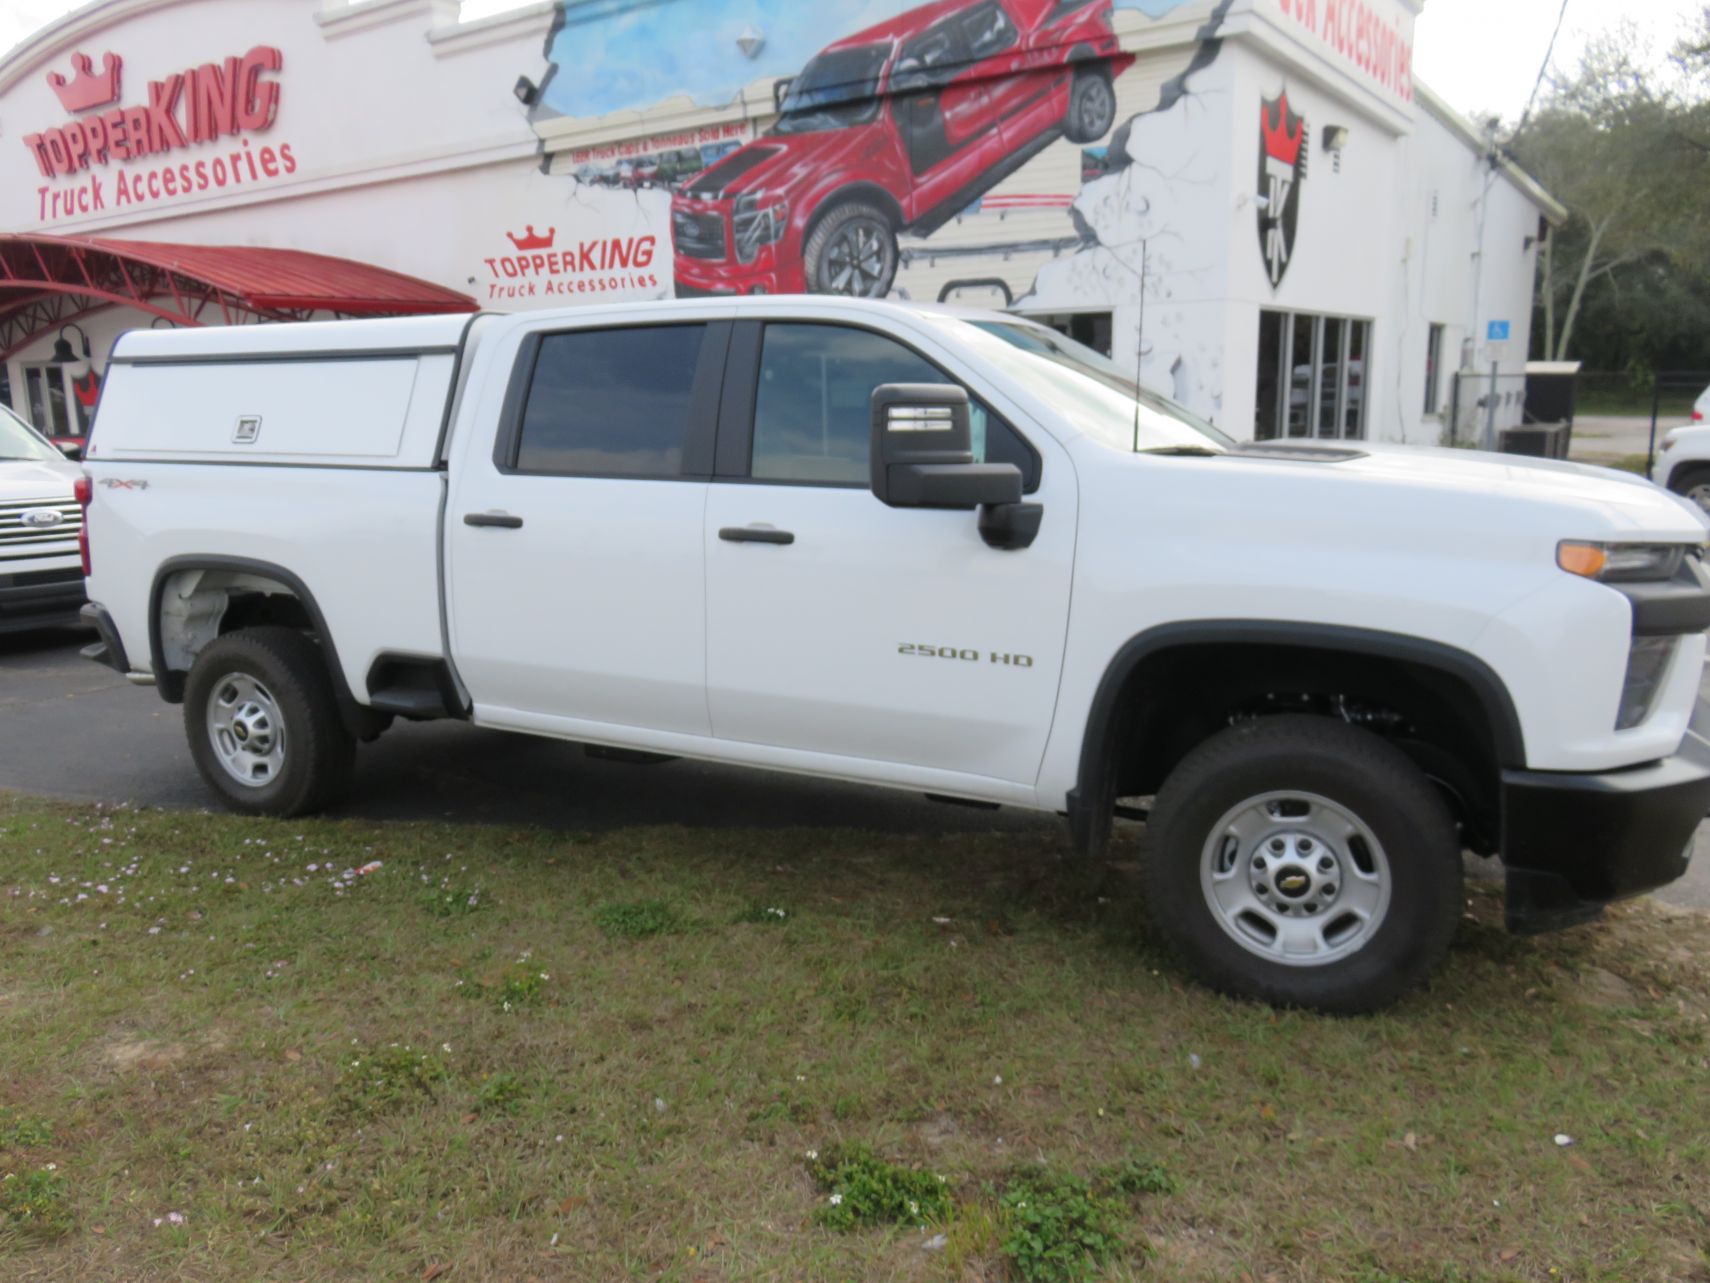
1485 146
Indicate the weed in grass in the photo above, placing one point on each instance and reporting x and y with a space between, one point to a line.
759 913
452 900
863 1189
501 1093
371 1081
20 1132
1055 1228
520 985
639 919
34 1204
1135 1175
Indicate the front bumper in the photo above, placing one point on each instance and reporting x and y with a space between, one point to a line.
1572 844
39 598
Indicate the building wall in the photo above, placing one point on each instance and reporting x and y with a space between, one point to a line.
412 148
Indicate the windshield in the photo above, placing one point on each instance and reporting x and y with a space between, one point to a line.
836 90
19 442
1096 396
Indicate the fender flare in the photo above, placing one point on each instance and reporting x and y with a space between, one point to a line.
170 683
1094 796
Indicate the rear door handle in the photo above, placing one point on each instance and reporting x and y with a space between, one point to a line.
755 534
502 520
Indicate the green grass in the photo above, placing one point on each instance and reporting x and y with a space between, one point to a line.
182 997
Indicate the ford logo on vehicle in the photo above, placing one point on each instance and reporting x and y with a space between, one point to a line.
43 518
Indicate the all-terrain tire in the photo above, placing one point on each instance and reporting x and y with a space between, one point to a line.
852 250
1092 106
1226 832
270 688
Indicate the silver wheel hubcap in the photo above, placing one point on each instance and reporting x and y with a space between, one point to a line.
1095 108
1296 879
1700 495
246 730
856 260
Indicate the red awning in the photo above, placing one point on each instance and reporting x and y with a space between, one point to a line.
48 281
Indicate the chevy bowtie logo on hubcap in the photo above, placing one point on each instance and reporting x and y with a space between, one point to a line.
1293 883
43 518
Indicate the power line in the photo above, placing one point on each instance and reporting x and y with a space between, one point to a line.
1543 70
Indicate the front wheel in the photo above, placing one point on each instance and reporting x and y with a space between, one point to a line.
1305 863
1092 107
852 251
264 725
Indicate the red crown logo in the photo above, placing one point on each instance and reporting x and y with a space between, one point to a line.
87 90
534 240
1282 143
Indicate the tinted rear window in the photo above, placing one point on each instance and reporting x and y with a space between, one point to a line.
611 403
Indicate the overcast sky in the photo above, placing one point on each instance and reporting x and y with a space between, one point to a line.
1480 55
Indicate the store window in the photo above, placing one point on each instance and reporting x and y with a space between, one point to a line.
1089 329
51 403
1434 370
611 403
1312 376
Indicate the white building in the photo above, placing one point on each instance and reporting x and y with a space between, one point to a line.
1252 199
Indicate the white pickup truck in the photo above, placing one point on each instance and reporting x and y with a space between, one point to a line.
943 551
41 573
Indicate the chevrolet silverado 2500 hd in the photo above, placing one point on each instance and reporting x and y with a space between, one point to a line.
944 551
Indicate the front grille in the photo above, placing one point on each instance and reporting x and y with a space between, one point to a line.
698 235
20 538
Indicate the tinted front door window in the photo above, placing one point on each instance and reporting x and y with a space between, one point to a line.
812 409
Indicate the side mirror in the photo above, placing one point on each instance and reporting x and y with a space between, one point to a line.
781 90
922 452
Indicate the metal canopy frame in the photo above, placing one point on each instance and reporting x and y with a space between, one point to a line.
50 281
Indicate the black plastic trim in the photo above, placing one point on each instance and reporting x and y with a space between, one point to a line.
109 651
432 695
1094 796
170 683
1670 608
1573 843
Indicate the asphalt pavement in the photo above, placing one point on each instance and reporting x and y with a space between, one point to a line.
72 729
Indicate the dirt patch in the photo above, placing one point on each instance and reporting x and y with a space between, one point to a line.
125 1053
1596 987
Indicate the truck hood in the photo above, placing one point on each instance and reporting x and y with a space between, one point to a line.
1625 505
21 480
779 164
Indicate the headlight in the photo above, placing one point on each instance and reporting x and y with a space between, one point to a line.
1622 563
1670 440
758 221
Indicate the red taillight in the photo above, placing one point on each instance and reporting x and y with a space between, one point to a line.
84 491
1698 416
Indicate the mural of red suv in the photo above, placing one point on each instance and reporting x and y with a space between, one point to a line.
896 128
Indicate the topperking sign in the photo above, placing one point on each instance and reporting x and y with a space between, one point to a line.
183 127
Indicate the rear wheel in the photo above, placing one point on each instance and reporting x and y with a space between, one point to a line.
1303 862
1092 106
263 723
852 251
1694 484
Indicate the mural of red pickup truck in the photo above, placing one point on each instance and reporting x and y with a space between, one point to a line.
896 128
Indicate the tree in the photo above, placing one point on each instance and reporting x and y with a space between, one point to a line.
1619 143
